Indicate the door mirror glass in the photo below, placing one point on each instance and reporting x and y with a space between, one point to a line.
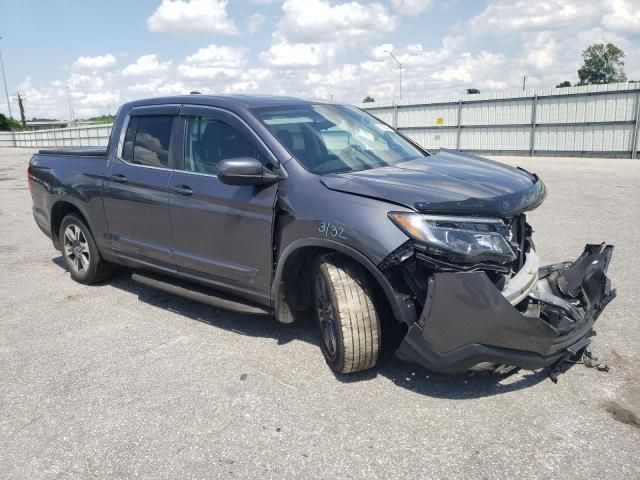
244 171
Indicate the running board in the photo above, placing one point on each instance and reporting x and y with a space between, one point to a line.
199 294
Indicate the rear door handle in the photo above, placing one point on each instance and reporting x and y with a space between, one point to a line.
182 190
118 177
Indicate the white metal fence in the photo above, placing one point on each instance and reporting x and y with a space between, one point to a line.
92 136
597 120
589 120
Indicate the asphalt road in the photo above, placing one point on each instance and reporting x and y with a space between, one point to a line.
121 381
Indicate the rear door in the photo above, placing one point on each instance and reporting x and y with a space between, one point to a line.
135 192
222 233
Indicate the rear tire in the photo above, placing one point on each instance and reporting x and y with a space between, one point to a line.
83 260
345 313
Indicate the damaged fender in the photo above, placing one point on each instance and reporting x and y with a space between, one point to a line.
467 321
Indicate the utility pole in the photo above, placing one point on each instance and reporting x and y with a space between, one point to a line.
70 109
400 70
524 81
21 106
4 79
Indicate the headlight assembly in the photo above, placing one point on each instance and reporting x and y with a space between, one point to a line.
472 239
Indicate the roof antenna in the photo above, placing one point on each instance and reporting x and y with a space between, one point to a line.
194 93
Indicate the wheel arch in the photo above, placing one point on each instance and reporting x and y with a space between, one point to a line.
61 209
300 252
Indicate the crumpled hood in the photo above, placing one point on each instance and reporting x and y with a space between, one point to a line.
449 182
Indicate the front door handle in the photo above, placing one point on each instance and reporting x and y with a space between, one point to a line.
182 190
118 177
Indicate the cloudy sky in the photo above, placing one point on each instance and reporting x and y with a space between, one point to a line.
110 52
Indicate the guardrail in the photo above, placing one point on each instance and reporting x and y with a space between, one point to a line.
591 120
91 136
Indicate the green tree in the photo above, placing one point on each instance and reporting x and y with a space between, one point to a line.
472 91
564 84
102 119
9 124
368 99
602 64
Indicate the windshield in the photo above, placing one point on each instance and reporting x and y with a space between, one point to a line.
337 138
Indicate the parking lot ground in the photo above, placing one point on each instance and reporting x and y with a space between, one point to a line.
119 381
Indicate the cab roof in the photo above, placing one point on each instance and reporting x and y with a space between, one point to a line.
234 100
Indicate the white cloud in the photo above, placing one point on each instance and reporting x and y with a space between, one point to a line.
217 56
623 15
158 86
77 81
493 84
507 16
255 21
203 72
346 73
285 54
540 51
256 74
146 65
212 62
192 16
411 7
100 61
241 87
471 68
173 88
100 99
380 52
373 66
314 21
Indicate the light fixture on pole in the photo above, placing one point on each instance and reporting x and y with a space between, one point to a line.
4 79
399 70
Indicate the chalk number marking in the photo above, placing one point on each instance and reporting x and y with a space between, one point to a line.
330 230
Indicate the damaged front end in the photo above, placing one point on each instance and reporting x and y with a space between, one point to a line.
489 315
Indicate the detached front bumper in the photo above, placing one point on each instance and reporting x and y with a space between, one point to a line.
540 316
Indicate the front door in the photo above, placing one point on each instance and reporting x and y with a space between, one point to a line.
135 192
221 233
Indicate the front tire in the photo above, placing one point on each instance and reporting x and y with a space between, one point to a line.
83 260
346 315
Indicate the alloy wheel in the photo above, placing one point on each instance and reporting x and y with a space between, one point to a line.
76 248
326 317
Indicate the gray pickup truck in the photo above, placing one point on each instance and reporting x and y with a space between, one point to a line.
277 206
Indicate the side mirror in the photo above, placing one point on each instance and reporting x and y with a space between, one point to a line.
244 171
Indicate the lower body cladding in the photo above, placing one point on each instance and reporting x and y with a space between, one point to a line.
539 318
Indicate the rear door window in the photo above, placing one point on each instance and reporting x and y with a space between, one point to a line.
147 140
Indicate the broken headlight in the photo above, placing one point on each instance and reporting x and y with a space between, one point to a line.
469 238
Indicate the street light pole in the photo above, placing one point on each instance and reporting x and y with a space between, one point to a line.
399 70
4 79
70 109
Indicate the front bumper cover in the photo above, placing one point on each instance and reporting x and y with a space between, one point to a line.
467 321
